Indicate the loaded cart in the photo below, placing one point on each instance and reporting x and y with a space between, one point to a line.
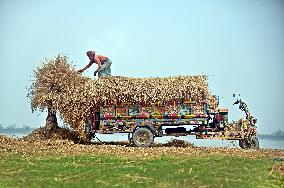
202 118
145 108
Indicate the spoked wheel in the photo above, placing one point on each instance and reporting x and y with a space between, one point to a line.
143 137
249 144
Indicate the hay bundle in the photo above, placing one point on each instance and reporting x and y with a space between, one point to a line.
58 134
58 86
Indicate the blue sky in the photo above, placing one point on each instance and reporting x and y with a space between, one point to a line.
240 44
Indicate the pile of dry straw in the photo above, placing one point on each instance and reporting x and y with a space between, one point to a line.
68 148
57 85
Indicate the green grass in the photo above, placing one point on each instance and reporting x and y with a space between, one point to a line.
112 171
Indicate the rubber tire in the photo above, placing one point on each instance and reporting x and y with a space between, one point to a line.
148 140
243 144
246 144
254 143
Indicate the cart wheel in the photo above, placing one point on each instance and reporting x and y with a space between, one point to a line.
249 144
254 143
243 144
143 137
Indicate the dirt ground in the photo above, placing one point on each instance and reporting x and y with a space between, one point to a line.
63 147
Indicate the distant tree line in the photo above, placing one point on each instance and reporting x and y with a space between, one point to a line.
15 129
279 134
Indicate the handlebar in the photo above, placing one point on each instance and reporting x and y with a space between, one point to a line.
237 102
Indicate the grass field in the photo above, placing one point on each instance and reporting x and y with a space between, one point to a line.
119 171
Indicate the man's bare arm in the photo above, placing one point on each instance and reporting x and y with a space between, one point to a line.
86 67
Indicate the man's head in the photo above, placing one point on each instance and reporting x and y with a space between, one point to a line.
91 55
